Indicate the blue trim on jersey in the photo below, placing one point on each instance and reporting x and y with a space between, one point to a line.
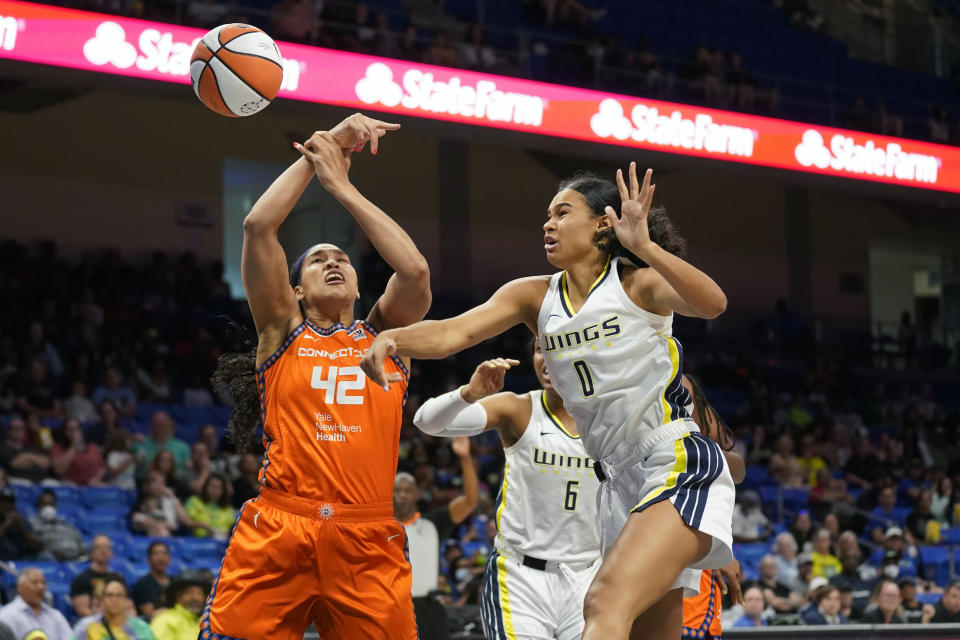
713 607
279 352
676 394
205 631
689 494
491 611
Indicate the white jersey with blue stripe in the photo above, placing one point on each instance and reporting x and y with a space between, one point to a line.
547 507
617 366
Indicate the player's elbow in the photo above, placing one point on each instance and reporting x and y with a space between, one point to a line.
254 224
716 306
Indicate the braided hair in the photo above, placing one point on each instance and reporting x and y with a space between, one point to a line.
703 411
601 193
236 373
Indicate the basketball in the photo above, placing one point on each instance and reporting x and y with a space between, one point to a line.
236 70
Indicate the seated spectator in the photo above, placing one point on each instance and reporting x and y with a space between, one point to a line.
247 486
440 52
75 460
947 611
776 595
753 607
206 13
194 477
211 508
115 623
17 539
847 608
784 465
28 611
78 406
164 463
297 20
159 512
802 530
883 516
155 383
811 461
409 46
196 394
61 540
828 495
785 554
86 590
149 591
826 609
939 126
186 596
474 53
36 395
120 463
221 462
749 523
21 459
123 398
856 577
943 502
646 63
895 559
40 347
861 465
741 83
108 424
920 522
162 439
911 607
825 564
884 605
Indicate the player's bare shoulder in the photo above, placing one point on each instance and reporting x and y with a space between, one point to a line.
508 413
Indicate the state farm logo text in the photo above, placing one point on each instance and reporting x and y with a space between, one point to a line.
647 124
419 90
157 51
844 154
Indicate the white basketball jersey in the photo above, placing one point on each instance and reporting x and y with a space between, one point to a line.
547 507
617 366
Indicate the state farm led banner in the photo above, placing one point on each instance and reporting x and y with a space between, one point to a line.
156 51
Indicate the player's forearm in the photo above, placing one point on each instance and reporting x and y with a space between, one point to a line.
429 340
273 207
697 289
393 244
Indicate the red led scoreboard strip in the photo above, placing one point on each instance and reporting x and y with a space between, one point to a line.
156 51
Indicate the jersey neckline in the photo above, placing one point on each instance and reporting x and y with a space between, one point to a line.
565 294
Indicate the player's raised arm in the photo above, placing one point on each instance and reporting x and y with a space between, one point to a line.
263 262
515 302
477 406
682 287
407 296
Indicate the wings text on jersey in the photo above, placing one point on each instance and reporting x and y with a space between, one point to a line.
604 330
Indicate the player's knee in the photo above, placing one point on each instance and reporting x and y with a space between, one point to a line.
598 600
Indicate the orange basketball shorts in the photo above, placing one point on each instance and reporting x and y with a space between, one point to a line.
293 561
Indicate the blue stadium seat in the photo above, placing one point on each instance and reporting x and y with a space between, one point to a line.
140 544
109 524
55 572
929 598
950 535
26 496
936 563
202 549
97 497
749 554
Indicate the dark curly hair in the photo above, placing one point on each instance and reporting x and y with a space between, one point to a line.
703 410
236 373
601 193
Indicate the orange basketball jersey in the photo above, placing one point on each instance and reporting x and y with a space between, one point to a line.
701 613
330 434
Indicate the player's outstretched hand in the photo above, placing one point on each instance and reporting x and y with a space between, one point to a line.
331 163
355 131
460 446
732 575
631 224
372 364
487 379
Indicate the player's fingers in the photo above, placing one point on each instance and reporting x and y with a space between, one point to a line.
512 362
394 377
612 216
380 124
374 139
622 186
634 185
304 151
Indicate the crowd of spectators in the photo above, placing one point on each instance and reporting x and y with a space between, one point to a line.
559 41
869 459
